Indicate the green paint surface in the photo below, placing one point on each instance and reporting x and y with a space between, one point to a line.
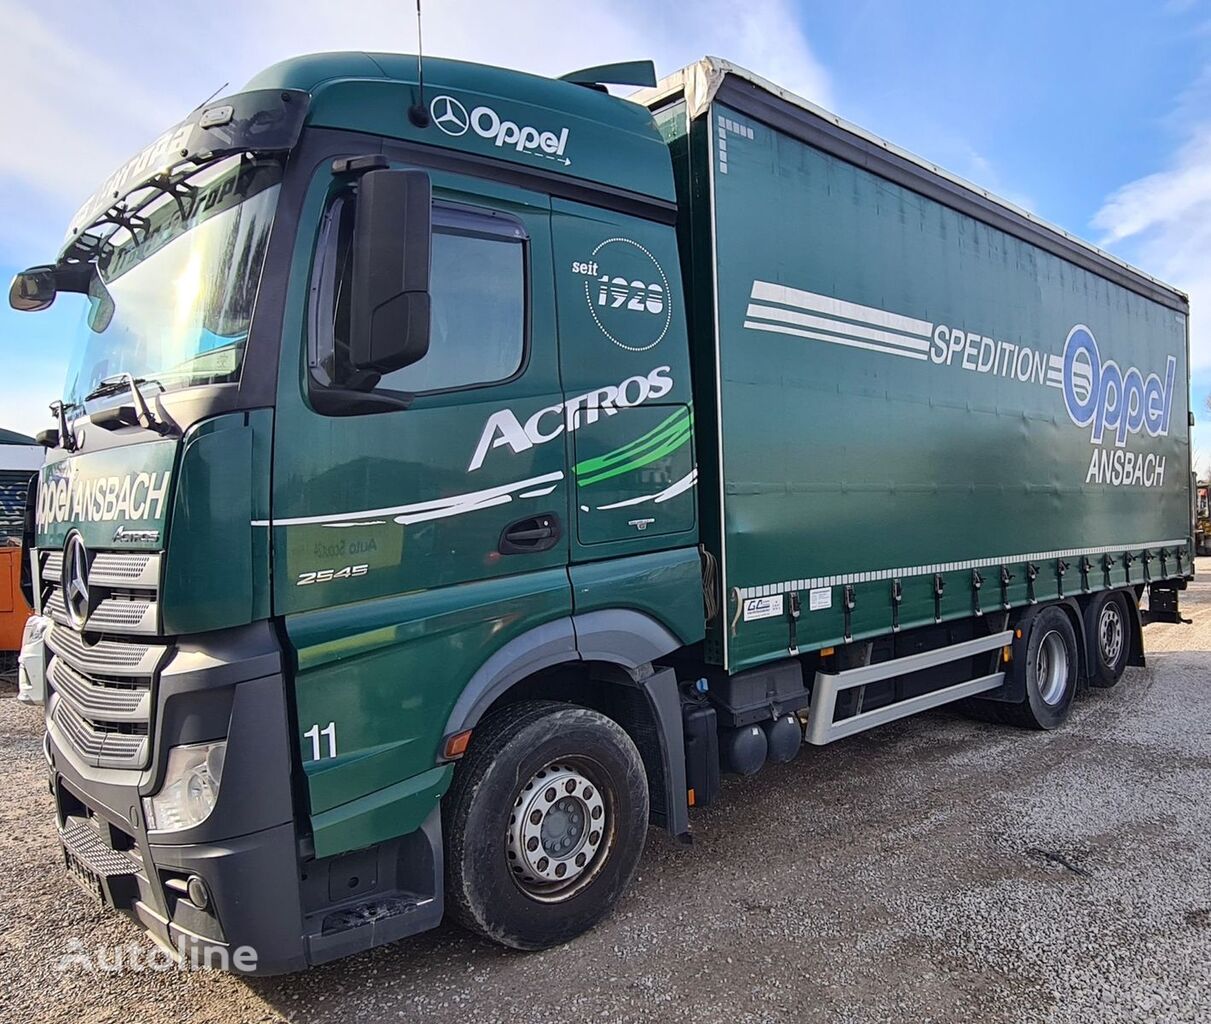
667 585
842 461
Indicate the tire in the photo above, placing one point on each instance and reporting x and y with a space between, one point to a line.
1052 668
506 825
1108 626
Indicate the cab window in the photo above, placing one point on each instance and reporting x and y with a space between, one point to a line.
478 303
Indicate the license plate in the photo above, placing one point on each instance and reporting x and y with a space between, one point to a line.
84 876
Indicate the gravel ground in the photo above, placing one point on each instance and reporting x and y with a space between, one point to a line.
939 869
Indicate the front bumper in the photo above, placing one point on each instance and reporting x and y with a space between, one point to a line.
250 896
269 906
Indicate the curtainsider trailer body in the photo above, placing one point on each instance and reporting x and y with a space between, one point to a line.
454 479
926 405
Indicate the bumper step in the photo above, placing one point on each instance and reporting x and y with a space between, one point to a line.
87 857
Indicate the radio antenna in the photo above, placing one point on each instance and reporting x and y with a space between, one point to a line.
418 113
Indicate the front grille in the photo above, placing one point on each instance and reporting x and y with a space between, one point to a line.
101 679
112 615
112 657
124 569
52 566
124 615
100 747
128 582
101 699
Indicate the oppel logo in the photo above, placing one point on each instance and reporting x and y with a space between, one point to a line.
452 118
1110 398
104 499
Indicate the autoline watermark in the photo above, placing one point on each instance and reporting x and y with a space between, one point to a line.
140 957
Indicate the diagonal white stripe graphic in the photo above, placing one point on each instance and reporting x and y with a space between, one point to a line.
421 511
848 342
673 489
790 316
768 292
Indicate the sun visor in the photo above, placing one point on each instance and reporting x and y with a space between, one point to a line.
260 121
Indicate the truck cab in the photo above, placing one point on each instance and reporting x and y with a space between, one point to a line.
380 406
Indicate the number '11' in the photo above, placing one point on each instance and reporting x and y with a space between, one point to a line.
315 733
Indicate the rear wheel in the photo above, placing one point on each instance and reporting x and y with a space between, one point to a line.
1106 623
1051 672
545 823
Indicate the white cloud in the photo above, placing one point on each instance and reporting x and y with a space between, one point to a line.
88 85
1162 222
65 120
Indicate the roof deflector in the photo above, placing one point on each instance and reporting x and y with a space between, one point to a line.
640 73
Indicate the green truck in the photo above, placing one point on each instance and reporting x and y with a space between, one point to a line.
454 479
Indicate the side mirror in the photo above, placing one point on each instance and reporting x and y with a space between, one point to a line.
33 289
392 245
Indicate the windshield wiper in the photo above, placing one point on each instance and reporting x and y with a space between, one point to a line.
63 437
114 384
121 382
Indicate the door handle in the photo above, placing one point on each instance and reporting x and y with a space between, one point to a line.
534 533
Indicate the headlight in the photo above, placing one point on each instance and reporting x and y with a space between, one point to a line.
190 790
31 661
35 629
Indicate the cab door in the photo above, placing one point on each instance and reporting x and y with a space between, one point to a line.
625 363
440 492
416 526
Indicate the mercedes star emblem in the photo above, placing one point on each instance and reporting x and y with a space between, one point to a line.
75 581
449 115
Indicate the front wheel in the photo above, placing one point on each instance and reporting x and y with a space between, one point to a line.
545 822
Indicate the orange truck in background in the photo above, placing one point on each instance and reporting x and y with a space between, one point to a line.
13 609
20 457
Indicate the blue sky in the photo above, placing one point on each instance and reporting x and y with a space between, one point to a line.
1094 115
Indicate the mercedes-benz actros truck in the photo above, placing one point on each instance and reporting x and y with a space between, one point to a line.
452 481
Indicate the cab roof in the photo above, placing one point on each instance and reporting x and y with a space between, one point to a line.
610 141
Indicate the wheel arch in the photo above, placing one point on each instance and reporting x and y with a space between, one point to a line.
619 637
603 660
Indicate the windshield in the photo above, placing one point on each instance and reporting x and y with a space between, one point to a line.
171 293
